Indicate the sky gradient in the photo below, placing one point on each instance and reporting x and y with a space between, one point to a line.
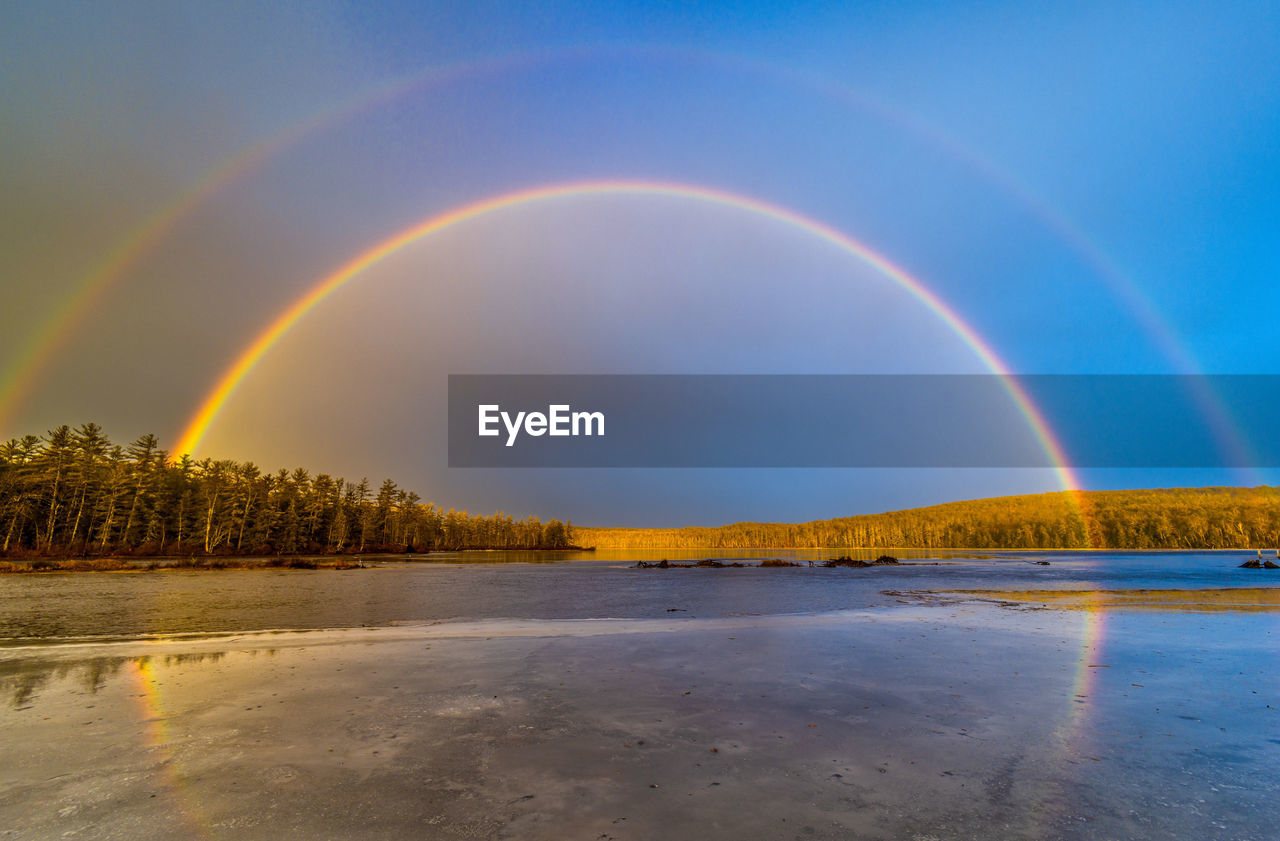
1091 188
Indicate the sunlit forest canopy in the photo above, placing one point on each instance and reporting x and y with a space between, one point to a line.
75 492
1170 518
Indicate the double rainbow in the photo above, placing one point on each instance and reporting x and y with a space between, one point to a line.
19 378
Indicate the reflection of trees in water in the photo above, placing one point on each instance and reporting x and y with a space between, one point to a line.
94 673
22 687
206 657
20 681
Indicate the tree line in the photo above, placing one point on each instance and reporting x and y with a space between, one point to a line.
1171 518
74 492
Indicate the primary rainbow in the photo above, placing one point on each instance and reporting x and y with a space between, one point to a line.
155 718
200 422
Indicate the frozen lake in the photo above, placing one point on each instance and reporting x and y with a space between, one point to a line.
595 700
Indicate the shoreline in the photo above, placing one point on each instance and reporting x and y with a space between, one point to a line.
908 606
213 563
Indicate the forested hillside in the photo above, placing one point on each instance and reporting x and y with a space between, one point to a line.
73 492
1173 518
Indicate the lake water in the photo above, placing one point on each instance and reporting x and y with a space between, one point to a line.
490 695
524 585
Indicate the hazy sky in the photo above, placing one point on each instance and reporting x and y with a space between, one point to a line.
1093 187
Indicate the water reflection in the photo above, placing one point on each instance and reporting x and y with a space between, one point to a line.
21 680
97 607
1248 599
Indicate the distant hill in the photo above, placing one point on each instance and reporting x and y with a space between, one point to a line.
1166 518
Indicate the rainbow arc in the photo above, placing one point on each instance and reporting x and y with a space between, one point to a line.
202 420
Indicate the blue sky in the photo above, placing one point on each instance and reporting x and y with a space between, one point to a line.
1045 168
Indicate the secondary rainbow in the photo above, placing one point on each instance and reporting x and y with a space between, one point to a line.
200 422
52 334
